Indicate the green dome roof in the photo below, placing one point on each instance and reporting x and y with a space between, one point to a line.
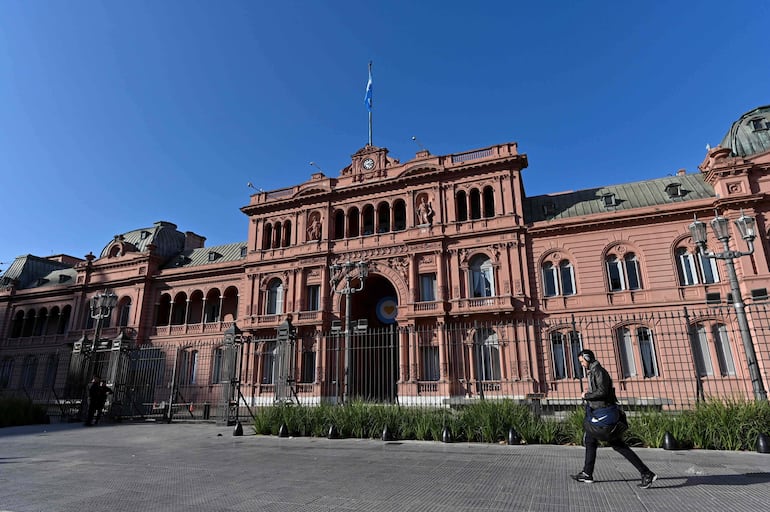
749 135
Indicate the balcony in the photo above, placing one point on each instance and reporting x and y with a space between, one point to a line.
497 304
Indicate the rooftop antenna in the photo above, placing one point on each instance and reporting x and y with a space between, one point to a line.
316 166
251 185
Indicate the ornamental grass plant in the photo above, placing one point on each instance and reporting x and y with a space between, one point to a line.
712 424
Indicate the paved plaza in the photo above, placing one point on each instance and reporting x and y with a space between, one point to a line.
185 467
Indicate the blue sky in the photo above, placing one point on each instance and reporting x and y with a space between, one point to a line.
114 115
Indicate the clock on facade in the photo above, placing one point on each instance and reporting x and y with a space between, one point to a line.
368 164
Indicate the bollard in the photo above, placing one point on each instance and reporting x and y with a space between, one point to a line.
513 437
446 436
386 435
669 441
333 434
283 430
238 429
763 443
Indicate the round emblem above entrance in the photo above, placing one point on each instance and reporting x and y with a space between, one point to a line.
387 310
368 164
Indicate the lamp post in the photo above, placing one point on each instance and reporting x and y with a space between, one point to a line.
747 228
345 271
101 306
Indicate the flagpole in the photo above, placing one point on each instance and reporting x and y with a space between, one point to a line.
369 96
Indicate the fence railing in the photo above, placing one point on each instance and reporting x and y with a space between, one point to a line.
668 360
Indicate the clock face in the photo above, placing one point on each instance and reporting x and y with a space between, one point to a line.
368 164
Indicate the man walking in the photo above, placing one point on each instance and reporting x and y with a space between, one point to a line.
600 395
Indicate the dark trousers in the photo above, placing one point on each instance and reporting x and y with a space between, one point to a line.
93 409
619 446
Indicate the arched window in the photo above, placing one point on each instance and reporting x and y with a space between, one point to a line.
558 280
487 355
399 215
286 234
633 341
65 319
274 300
277 232
18 324
489 202
713 344
267 236
383 217
461 200
482 279
694 267
354 223
368 215
40 322
339 225
565 347
124 315
623 272
475 204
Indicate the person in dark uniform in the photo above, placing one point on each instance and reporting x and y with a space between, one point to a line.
101 400
600 395
93 399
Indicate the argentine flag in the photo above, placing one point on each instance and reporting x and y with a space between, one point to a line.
368 95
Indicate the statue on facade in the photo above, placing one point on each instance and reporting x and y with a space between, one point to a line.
314 229
425 212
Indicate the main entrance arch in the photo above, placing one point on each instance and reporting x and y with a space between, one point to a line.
374 348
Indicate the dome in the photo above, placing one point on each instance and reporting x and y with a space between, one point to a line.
163 235
749 135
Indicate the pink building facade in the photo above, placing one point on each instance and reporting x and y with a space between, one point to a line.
478 290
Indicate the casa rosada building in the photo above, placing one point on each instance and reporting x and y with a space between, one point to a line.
418 247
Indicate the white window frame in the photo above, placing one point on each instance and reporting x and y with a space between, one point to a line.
482 277
274 298
634 342
624 272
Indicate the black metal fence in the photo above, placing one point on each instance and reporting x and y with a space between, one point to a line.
667 359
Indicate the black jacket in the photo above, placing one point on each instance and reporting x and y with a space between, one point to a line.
600 391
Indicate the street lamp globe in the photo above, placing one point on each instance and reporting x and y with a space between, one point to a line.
747 226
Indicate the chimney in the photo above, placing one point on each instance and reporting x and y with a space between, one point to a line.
681 172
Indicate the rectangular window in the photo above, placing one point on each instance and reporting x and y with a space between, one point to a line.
632 272
702 354
268 363
557 350
709 266
567 279
313 292
308 366
216 371
688 275
615 273
725 355
427 287
626 346
550 286
430 363
647 350
576 345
